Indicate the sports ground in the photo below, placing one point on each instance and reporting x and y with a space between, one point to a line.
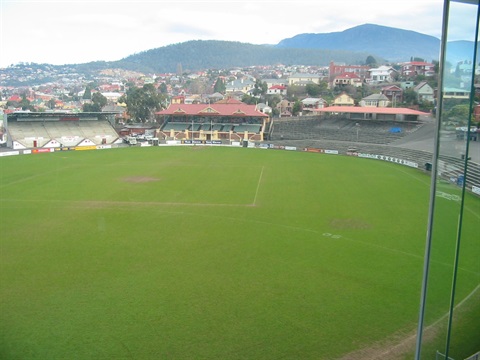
213 253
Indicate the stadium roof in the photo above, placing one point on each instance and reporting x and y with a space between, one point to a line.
217 109
370 110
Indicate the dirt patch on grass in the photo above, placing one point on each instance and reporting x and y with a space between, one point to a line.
139 179
398 347
342 224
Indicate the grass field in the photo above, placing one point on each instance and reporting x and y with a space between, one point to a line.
212 253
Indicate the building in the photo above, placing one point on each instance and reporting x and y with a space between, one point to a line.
394 94
424 92
343 100
375 100
347 78
226 120
300 79
416 68
381 74
336 69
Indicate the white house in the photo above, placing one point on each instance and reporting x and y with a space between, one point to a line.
375 100
277 90
381 74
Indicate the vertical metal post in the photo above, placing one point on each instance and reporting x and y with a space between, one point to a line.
433 186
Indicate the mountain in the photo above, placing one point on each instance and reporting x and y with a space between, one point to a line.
213 54
385 42
460 51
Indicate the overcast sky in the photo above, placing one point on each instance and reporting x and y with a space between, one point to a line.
67 31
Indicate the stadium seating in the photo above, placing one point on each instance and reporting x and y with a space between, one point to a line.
68 133
371 131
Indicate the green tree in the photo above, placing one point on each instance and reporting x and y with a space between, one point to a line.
250 100
410 97
260 87
87 95
295 91
313 90
143 102
98 102
296 108
51 104
459 114
25 103
219 86
163 88
370 61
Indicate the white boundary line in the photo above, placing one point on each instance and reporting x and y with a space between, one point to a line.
258 186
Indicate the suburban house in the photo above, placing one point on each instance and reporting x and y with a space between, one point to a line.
375 100
300 79
310 105
415 68
394 93
179 99
424 92
347 78
337 69
273 82
264 108
277 90
285 108
343 100
243 85
381 74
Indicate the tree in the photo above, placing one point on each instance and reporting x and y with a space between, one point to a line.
98 102
313 90
163 88
410 97
260 88
143 102
296 108
219 86
25 103
51 104
370 61
87 95
294 91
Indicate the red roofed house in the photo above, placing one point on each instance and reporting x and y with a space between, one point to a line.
415 68
337 69
393 93
227 119
347 78
277 90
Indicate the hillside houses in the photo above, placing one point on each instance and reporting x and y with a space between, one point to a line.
286 93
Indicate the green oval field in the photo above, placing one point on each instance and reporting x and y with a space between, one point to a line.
210 253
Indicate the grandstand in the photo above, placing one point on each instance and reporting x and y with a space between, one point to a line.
59 129
228 120
342 129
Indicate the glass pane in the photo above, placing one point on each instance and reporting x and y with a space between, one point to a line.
454 270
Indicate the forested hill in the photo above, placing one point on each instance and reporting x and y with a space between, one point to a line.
213 54
389 43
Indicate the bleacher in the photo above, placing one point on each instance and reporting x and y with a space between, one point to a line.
37 130
370 131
